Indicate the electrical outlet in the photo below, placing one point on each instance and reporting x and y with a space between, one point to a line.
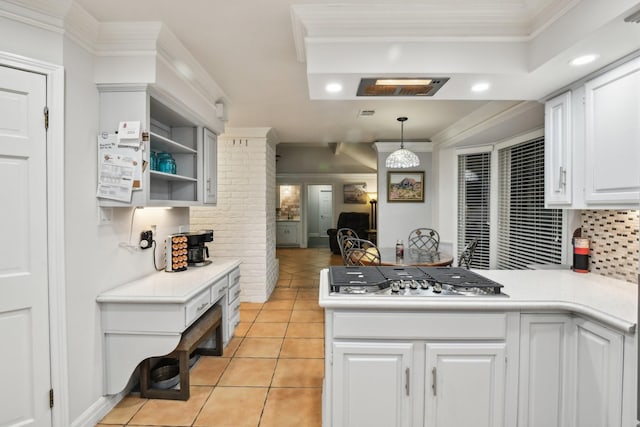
146 239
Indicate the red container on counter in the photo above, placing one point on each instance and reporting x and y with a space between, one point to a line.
580 254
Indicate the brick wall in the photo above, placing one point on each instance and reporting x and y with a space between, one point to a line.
613 242
243 220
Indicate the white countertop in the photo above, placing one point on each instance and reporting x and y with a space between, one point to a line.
611 301
166 287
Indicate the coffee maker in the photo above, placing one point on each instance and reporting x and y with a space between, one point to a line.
197 251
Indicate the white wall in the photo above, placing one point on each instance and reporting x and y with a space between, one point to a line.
94 259
397 219
445 217
243 220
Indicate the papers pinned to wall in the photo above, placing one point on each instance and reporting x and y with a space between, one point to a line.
120 167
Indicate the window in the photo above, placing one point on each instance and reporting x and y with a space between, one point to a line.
474 175
527 232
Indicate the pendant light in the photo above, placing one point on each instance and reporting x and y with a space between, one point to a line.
402 158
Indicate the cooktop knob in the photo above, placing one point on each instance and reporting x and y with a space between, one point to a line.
424 284
402 284
437 287
395 287
413 284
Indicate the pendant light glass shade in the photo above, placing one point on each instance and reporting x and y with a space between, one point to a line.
402 158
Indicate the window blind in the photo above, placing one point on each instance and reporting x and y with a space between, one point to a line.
474 176
527 232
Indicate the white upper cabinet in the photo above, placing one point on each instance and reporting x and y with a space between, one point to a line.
592 137
612 136
210 169
558 150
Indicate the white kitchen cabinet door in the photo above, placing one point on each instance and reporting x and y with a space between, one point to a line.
210 167
287 233
612 137
598 376
558 151
546 352
371 384
465 384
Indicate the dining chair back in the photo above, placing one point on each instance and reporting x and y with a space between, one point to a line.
361 252
467 254
341 235
424 239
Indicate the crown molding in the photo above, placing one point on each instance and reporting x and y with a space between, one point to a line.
415 146
81 27
515 20
44 14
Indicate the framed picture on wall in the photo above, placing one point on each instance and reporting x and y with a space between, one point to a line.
355 193
405 186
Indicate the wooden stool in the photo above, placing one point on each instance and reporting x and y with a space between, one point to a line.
200 331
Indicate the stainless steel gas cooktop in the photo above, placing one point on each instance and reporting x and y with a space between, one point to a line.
410 281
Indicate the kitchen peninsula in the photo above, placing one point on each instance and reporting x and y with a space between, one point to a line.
558 350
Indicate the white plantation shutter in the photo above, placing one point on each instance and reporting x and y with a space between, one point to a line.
527 232
474 176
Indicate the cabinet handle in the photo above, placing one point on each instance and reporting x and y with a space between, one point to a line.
434 379
562 178
407 378
203 305
209 185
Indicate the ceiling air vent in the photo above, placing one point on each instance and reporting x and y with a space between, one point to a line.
634 17
366 113
404 86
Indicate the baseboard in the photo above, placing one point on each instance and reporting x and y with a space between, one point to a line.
98 410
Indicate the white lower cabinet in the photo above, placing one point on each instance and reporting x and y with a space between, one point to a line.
465 384
570 373
546 357
372 384
598 376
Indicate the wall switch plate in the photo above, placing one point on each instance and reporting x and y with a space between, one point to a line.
146 239
105 216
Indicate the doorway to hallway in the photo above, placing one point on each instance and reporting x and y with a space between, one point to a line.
319 215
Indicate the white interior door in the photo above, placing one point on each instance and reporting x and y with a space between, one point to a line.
325 220
24 307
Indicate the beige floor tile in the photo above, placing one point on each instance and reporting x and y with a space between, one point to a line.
298 373
233 407
248 372
302 348
305 330
306 304
124 410
232 347
250 305
208 370
292 407
314 316
278 305
248 315
305 294
304 283
283 294
267 330
161 412
274 316
241 329
259 347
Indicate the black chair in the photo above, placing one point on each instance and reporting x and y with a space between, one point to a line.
360 252
357 221
424 240
467 254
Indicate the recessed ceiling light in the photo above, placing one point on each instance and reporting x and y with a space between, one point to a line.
583 60
333 87
480 87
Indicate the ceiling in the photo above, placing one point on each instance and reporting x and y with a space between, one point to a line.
273 58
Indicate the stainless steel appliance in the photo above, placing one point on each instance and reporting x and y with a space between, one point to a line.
410 281
197 250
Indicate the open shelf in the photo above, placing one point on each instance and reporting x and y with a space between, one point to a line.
170 177
160 143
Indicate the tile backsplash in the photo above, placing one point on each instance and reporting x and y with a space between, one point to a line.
613 239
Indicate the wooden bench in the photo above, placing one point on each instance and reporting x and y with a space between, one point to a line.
192 337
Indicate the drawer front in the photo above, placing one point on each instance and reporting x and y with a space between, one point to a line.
196 306
219 289
234 278
416 325
234 292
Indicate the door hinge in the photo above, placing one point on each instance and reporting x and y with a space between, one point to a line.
46 118
50 398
